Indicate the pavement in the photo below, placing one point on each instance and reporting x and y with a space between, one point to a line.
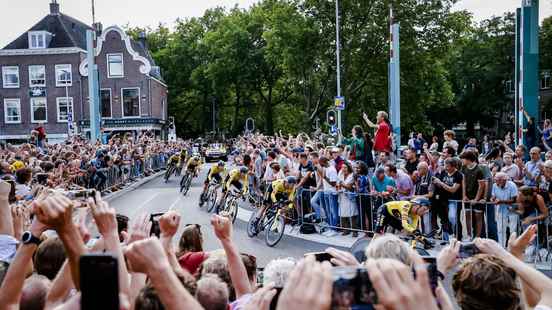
153 195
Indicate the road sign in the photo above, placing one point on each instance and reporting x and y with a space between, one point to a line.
339 103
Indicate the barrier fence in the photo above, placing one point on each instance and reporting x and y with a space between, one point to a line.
118 175
346 213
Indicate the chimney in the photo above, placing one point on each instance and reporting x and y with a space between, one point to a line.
54 7
142 38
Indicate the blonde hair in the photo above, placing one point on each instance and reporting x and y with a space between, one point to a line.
389 246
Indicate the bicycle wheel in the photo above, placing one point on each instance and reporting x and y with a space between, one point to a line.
183 182
253 224
187 185
168 174
211 200
233 210
275 230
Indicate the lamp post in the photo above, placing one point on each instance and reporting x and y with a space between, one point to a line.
338 65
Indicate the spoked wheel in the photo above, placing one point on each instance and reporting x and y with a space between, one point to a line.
211 200
183 182
233 210
253 224
168 174
187 184
274 230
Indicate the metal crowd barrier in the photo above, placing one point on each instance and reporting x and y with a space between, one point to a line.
359 215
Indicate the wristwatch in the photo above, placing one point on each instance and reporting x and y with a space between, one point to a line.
28 238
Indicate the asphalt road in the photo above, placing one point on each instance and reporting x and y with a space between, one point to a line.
158 196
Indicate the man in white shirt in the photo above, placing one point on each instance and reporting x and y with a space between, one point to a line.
329 181
504 195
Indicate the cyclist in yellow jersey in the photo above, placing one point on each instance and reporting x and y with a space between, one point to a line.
216 173
281 189
193 165
402 215
174 160
237 177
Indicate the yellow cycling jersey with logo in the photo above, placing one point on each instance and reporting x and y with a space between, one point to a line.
175 159
402 210
193 163
234 176
214 171
278 187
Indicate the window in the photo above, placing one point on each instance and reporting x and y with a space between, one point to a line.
131 102
37 39
12 111
115 66
10 76
105 97
545 80
38 110
37 76
64 108
64 77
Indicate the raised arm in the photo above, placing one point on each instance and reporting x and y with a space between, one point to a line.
6 221
223 230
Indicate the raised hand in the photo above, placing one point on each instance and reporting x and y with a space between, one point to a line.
169 223
104 216
146 256
54 211
448 257
140 229
517 245
222 226
342 258
261 299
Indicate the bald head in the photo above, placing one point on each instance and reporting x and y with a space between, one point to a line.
212 292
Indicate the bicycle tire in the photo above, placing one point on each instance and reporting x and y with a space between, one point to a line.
211 200
253 230
183 182
233 212
187 185
273 234
168 174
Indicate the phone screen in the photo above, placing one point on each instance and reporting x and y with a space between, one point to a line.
433 273
468 250
155 229
99 282
352 289
321 256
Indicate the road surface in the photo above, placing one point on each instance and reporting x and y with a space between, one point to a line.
158 196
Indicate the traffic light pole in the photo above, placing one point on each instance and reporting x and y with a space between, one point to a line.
338 65
93 93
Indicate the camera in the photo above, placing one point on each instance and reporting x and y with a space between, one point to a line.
352 288
468 249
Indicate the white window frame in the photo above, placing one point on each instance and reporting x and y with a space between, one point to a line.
42 34
63 83
45 112
6 68
12 100
70 102
123 103
110 102
30 79
109 67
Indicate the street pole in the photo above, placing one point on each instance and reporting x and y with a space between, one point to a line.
338 64
214 115
69 115
93 93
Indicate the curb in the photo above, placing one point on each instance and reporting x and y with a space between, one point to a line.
133 186
293 232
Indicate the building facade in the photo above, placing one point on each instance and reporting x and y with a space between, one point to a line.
44 81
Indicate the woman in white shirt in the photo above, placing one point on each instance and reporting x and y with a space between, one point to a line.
348 211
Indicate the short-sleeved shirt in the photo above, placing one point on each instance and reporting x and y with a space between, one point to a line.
472 178
381 141
304 170
533 168
331 174
449 180
363 184
508 192
410 167
404 184
381 186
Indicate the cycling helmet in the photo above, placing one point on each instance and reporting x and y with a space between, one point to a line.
291 180
220 163
244 170
424 202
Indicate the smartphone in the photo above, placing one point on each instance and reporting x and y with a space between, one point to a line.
260 276
155 229
352 289
81 195
468 249
432 272
320 256
99 282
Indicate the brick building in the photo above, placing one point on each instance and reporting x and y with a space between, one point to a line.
44 80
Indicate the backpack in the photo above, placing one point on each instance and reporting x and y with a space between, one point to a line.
307 227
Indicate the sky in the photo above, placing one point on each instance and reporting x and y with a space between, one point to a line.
17 16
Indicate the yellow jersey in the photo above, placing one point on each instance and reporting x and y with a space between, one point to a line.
278 187
402 210
215 170
234 176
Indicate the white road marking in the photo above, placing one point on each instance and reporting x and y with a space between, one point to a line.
175 203
146 202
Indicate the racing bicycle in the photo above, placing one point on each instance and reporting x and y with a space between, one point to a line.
210 196
186 181
230 207
172 169
272 222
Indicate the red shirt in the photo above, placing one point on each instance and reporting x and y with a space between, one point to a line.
381 141
192 260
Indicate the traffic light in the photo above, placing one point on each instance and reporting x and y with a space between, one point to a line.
331 118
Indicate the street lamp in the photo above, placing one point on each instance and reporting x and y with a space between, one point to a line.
338 64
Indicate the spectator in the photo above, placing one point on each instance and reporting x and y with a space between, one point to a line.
362 184
510 168
191 254
448 193
212 293
532 167
486 145
405 187
449 136
504 196
472 144
434 147
473 192
547 134
329 179
382 141
382 186
348 210
411 161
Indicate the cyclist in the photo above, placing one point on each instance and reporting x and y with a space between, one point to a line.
402 215
172 165
193 165
215 172
279 190
239 178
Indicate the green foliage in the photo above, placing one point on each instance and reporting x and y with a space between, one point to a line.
275 62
